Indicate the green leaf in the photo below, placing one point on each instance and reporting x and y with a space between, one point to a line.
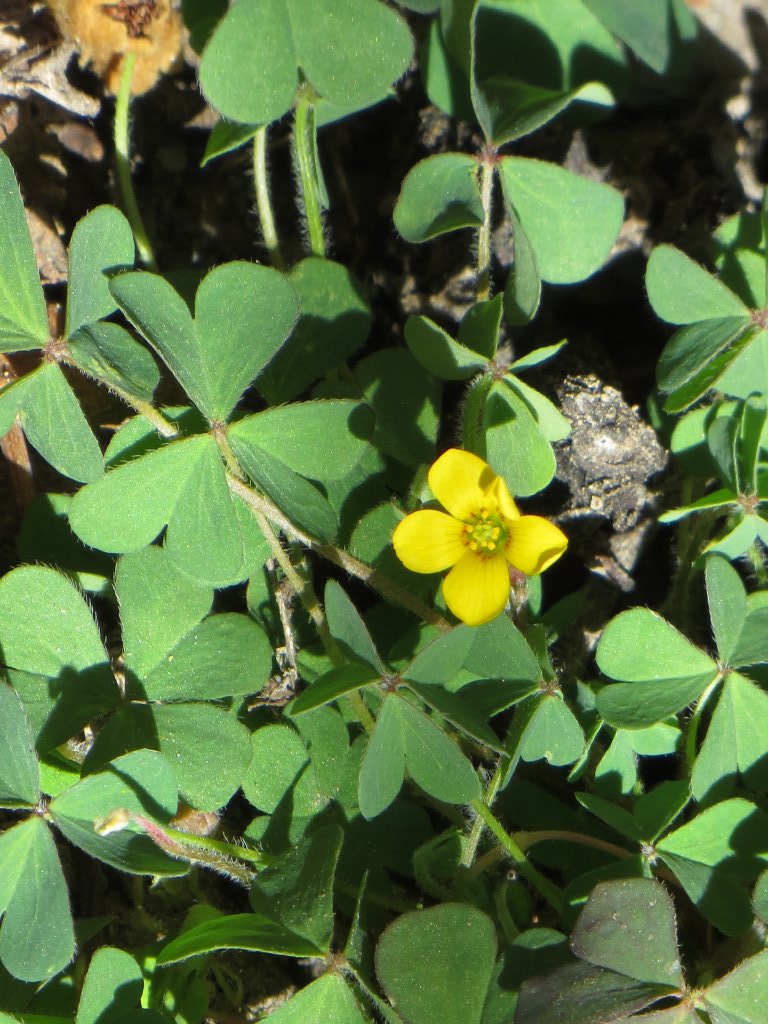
321 440
550 732
438 353
406 400
297 890
209 749
571 222
324 1000
582 994
19 774
383 765
158 606
23 320
662 671
442 658
727 604
351 53
301 501
253 932
740 995
348 629
752 647
733 745
279 767
243 314
180 485
652 29
537 357
435 762
440 194
53 422
500 651
714 855
102 241
754 438
552 424
45 624
248 69
722 498
225 655
141 782
683 292
109 354
514 444
522 292
480 326
226 137
710 374
628 926
332 685
334 321
509 109
460 710
128 851
33 945
436 964
112 987
694 349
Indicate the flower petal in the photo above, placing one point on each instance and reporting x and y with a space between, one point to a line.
534 544
499 494
428 541
477 589
459 480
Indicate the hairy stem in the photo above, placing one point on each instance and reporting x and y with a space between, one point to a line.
487 172
123 161
548 890
305 147
263 201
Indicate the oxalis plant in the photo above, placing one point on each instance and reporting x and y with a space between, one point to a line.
280 666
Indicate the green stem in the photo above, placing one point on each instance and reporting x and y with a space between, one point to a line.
525 840
163 426
305 143
487 173
263 201
548 890
305 591
352 565
470 847
123 160
472 425
693 725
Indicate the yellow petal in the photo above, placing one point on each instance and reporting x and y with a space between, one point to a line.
428 541
459 480
476 589
499 495
534 544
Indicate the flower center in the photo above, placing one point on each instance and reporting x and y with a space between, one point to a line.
485 533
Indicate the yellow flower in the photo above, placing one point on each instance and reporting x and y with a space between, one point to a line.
480 537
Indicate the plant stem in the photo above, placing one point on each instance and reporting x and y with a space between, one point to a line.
470 848
123 161
548 890
305 591
163 426
305 143
263 201
472 426
487 172
384 586
525 840
372 577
